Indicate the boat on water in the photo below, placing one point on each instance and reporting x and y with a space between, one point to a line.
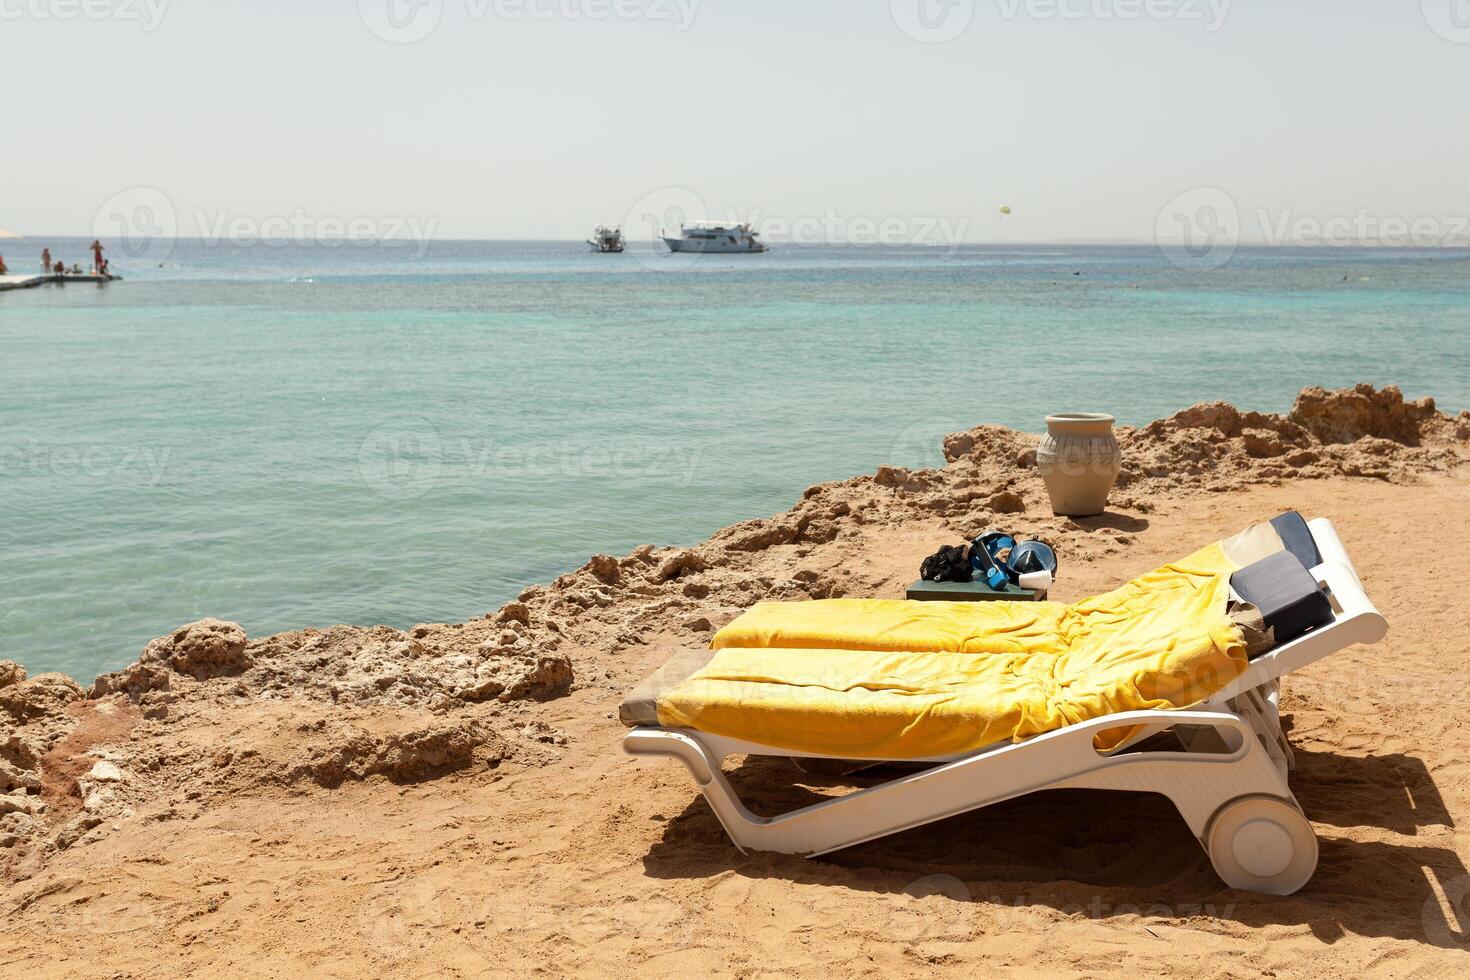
605 239
721 237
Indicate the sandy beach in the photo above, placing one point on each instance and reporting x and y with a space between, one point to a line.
451 799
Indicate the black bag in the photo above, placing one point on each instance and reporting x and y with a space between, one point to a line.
949 564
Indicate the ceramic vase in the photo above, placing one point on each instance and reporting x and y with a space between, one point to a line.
1079 459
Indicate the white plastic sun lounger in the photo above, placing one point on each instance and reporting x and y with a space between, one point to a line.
1229 783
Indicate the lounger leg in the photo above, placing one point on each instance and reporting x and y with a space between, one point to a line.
1244 815
739 823
1259 707
1198 785
1271 698
1245 841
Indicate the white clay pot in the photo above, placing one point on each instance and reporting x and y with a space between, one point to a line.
1079 459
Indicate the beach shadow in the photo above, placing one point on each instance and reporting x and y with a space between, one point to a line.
1111 522
1394 791
1103 854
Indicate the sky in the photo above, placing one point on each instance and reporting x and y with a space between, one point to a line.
511 119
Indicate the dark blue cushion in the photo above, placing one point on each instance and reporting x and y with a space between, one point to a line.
1292 528
1289 598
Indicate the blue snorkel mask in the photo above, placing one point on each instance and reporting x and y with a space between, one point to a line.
987 565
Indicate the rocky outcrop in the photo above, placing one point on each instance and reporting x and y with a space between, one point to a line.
38 702
339 752
15 776
11 673
1353 432
1349 414
204 650
433 665
992 443
678 564
34 718
443 678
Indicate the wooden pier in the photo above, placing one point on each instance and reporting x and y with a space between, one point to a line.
28 282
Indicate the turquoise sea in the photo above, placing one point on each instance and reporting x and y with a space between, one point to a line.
303 435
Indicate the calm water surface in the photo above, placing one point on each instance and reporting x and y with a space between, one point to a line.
294 436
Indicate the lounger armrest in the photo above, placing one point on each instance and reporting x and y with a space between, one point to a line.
1347 591
648 741
1329 545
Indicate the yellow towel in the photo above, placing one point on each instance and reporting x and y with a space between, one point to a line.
897 625
899 680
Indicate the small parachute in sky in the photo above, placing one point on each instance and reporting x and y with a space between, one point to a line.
1005 209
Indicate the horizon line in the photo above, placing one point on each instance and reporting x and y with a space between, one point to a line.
1038 243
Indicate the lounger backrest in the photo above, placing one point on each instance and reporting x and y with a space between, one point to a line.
1355 618
1297 537
1289 532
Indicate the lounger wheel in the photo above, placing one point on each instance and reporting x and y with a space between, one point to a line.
1262 844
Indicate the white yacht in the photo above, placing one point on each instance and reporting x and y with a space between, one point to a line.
605 239
715 236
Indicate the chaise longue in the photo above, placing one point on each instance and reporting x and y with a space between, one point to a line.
1169 685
